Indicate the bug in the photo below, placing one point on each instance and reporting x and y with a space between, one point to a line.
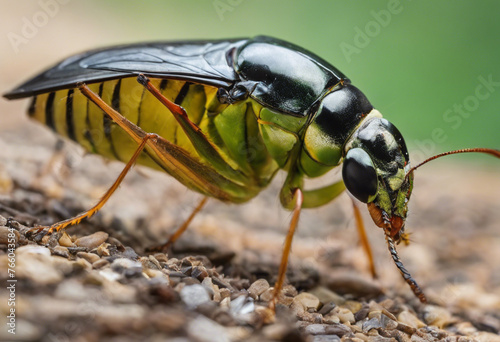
222 117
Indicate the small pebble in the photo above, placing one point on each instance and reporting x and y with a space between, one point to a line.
100 264
258 287
37 267
83 264
217 296
289 291
92 241
90 257
6 236
408 318
209 286
325 295
127 267
325 309
437 316
267 295
154 261
362 313
331 318
199 272
465 328
352 305
190 281
397 335
388 323
65 240
161 257
405 328
61 251
372 323
33 249
225 303
327 329
242 305
316 329
103 250
202 329
110 275
224 293
194 295
345 315
307 300
115 242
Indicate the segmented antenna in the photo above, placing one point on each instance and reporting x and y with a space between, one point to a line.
495 153
399 264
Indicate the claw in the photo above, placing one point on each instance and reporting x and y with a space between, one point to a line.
34 231
38 233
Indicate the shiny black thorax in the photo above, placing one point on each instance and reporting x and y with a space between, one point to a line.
291 80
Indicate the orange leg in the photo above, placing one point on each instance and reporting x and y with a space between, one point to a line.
170 157
86 214
203 145
363 238
287 247
180 230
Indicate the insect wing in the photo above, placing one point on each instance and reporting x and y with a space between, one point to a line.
202 62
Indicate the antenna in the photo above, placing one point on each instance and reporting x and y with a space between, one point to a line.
399 264
495 153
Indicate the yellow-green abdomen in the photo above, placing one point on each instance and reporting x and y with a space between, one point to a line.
234 129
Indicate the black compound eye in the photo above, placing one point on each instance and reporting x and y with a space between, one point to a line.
359 174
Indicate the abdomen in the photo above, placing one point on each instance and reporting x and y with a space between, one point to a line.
232 128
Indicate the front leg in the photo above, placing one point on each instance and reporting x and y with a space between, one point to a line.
298 198
321 196
312 198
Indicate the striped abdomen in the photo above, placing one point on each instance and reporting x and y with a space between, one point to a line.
234 129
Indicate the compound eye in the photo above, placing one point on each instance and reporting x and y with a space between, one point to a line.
359 175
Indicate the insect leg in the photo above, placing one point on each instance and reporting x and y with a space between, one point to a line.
181 229
363 238
173 159
203 145
86 214
299 198
318 197
312 198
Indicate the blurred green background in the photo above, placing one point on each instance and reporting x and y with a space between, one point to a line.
419 62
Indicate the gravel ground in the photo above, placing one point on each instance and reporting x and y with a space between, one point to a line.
96 283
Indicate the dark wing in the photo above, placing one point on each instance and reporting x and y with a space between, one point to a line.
200 61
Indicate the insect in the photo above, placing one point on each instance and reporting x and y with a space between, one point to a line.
222 117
